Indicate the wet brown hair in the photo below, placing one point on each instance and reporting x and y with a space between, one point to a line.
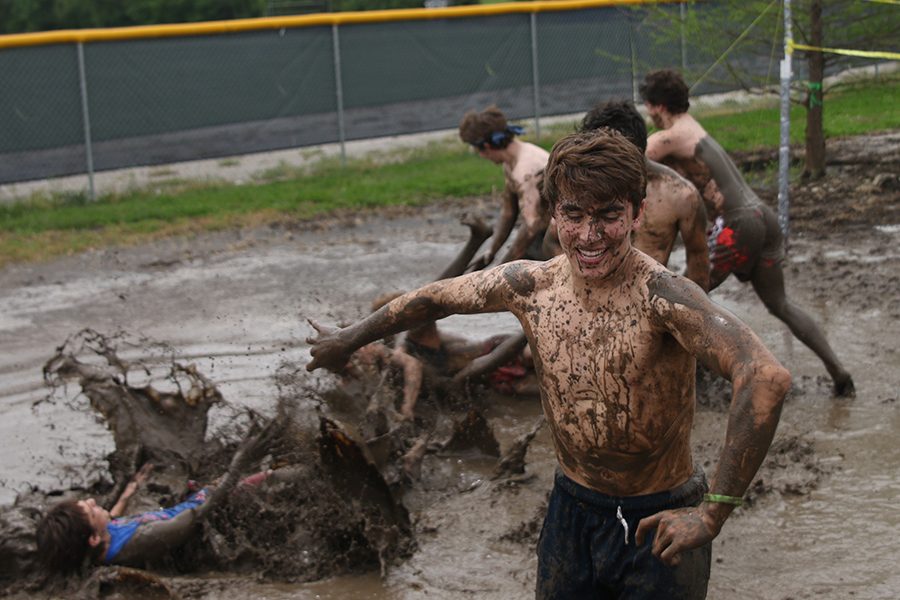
602 165
62 538
666 88
477 127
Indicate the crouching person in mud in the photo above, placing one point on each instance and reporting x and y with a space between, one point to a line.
614 337
75 533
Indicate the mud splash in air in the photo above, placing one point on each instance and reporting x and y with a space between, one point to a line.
336 462
322 508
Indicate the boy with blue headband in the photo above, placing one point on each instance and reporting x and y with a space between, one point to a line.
523 166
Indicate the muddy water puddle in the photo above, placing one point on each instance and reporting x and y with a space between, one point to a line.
238 314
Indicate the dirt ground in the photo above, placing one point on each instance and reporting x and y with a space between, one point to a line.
821 522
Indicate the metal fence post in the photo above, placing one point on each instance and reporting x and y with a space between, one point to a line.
339 89
535 81
634 82
683 43
86 117
784 149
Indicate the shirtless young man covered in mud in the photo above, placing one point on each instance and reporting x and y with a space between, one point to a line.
672 205
614 337
523 166
746 239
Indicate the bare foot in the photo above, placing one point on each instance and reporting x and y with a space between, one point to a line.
843 386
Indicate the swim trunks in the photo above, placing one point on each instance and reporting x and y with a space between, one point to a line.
741 239
123 529
587 547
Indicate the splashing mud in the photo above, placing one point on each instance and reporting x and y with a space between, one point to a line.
328 504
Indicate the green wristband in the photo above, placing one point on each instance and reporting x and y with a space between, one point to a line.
721 499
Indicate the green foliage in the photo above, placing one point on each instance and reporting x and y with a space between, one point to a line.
20 16
448 173
712 31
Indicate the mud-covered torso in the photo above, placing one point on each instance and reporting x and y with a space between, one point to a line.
523 179
617 390
663 206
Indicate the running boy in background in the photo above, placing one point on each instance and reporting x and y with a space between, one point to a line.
523 166
746 239
614 337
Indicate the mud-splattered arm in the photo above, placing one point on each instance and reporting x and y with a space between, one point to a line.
412 379
692 226
506 220
130 489
482 291
534 219
759 383
154 539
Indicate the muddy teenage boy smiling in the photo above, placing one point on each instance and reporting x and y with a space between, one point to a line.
614 337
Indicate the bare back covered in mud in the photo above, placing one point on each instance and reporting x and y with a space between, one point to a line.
673 206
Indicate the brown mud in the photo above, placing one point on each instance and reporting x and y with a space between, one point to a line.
820 521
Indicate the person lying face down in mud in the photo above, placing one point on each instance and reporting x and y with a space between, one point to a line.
672 206
746 239
523 165
614 337
74 532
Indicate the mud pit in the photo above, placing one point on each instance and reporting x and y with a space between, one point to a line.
822 523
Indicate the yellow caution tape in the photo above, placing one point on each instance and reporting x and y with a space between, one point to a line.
844 51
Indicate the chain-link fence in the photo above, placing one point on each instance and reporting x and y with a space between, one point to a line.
78 107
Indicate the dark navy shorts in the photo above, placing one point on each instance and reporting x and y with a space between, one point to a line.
583 554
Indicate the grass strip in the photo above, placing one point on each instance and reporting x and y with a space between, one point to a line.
45 227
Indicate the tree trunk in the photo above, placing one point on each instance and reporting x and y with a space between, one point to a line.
815 130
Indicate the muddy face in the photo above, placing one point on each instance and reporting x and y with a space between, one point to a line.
595 236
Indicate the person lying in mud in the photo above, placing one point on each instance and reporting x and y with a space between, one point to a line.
76 532
746 239
672 206
614 337
502 361
523 165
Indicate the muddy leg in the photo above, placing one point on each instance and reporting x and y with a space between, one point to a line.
478 233
768 281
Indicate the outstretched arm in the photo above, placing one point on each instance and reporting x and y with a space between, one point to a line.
482 291
136 482
155 538
759 383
